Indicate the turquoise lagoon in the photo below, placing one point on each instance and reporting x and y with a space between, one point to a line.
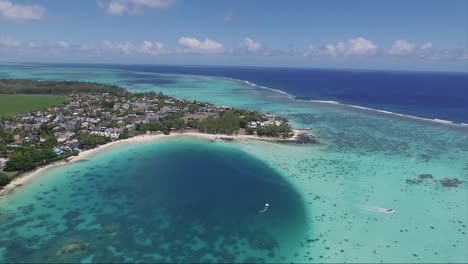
316 192
175 200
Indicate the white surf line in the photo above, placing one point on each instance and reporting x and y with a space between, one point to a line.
435 120
201 76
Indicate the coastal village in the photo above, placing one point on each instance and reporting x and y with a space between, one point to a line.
86 120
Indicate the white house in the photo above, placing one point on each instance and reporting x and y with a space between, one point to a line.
3 162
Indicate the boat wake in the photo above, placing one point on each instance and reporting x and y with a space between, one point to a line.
377 209
265 209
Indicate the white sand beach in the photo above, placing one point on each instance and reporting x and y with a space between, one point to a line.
23 179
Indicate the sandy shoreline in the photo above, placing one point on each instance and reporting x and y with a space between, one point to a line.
23 179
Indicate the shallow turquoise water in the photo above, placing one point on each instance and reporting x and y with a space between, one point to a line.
365 159
180 200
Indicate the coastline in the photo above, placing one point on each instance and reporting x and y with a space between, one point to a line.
369 167
149 137
433 120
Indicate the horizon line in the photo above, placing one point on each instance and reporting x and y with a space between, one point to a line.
241 66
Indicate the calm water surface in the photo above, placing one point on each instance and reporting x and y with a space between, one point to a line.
179 200
365 159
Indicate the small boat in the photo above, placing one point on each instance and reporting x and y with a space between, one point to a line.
265 209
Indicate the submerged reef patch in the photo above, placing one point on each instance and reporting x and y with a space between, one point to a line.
424 178
420 179
447 182
72 248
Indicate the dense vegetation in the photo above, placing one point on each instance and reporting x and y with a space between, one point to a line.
88 141
227 123
231 121
271 131
171 122
56 87
13 104
5 138
4 179
30 154
25 158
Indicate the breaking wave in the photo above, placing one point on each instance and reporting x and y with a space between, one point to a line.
435 120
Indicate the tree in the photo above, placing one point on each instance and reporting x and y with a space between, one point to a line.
88 141
227 123
107 105
50 142
192 123
124 134
25 158
249 131
5 137
4 179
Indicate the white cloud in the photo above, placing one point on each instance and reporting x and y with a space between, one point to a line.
31 45
251 45
86 48
125 47
426 51
16 12
153 3
116 8
464 56
13 46
402 47
9 42
335 49
63 47
361 46
309 51
62 44
352 47
193 45
426 46
130 48
152 48
132 7
406 49
440 54
248 46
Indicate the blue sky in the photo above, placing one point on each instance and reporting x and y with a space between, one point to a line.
407 35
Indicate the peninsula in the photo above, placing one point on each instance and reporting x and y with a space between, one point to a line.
88 115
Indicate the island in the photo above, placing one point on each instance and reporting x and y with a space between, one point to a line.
61 119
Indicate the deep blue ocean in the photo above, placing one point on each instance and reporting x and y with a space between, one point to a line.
422 94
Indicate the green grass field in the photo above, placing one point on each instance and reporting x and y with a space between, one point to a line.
12 104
